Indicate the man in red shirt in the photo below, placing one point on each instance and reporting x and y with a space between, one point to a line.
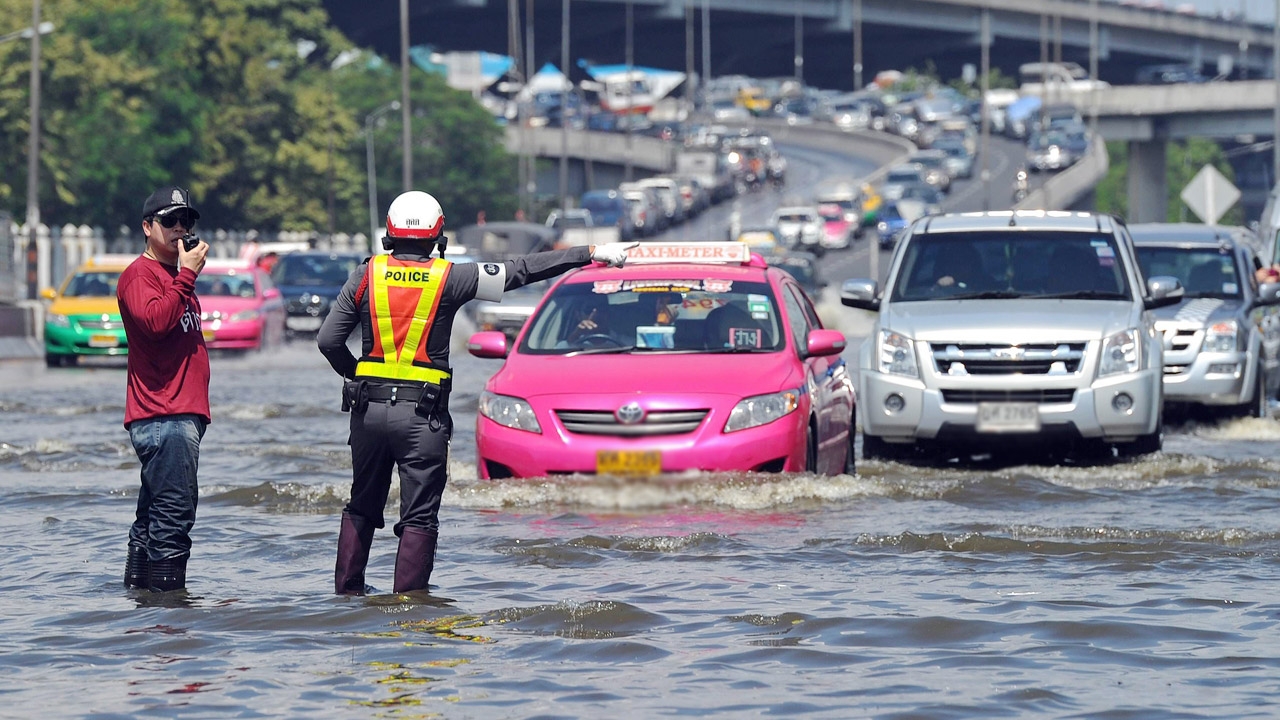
167 401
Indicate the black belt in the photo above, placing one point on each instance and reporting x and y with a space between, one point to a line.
388 393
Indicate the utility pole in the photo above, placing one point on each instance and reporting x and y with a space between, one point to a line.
986 115
1094 51
564 105
1275 70
799 62
33 160
519 74
406 130
531 162
627 169
706 43
858 45
688 57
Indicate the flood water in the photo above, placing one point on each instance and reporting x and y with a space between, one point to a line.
1146 589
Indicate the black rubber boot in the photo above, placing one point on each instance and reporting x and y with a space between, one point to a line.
414 559
354 538
137 568
169 574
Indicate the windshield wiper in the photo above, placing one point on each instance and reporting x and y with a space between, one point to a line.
987 295
717 351
1080 295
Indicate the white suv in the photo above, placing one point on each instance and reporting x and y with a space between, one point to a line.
1009 328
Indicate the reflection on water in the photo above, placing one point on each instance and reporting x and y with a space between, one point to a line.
946 590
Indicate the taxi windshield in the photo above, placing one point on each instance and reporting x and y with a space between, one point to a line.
92 283
1207 272
1011 265
678 315
209 284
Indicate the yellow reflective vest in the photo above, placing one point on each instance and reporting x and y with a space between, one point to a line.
403 297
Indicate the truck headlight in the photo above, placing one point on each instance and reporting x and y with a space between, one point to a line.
897 355
882 227
1222 337
57 320
508 411
246 315
762 409
1121 353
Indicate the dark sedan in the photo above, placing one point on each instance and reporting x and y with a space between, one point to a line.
309 282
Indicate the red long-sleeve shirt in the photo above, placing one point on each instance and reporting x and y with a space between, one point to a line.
168 362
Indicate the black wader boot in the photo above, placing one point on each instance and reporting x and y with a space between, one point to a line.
354 538
169 574
414 559
137 568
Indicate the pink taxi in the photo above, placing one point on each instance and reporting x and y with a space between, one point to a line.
240 308
694 356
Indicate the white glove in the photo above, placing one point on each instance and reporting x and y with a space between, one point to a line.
613 254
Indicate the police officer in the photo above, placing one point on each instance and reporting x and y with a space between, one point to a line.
398 391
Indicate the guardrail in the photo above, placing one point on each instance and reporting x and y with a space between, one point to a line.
1065 189
882 148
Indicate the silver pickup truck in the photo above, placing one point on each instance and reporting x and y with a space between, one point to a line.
1221 343
1012 329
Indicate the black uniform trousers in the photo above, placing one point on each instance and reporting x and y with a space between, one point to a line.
388 435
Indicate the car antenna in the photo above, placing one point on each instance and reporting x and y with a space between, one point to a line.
1013 216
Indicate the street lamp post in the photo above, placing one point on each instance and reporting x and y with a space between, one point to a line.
369 120
33 147
406 119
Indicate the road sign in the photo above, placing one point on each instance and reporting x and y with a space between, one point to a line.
1210 195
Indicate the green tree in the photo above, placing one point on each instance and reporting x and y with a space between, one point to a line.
238 100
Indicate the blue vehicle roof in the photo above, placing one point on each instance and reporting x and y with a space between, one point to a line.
1022 107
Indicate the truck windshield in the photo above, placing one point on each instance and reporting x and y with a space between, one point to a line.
1207 272
1071 265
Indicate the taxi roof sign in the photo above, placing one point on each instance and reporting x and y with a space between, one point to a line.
689 252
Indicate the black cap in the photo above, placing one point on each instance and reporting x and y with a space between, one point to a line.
166 200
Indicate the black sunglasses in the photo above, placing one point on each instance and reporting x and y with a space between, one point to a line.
178 216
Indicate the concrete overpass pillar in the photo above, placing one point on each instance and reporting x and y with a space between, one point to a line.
1147 187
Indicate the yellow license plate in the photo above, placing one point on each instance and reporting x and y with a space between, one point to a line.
628 462
208 335
104 341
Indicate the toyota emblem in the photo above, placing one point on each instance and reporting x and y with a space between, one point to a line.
630 414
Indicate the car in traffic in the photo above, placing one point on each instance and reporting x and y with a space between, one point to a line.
694 356
959 160
610 208
764 240
1222 342
83 316
899 177
934 163
309 282
890 224
1005 330
241 310
800 226
1049 151
837 231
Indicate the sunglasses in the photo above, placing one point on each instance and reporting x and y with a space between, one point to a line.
179 216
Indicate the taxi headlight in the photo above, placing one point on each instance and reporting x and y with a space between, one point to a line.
246 315
508 411
897 355
762 409
1222 337
57 320
1121 353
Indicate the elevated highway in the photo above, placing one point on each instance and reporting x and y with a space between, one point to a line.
759 38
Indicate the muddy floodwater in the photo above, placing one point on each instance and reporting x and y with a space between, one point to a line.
1147 589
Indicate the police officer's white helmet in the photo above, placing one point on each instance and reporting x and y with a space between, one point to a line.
414 215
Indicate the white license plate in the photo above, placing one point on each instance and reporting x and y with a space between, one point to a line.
303 323
1000 417
104 341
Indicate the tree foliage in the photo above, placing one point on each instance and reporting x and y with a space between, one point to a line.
240 100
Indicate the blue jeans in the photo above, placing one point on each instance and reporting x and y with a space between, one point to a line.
169 448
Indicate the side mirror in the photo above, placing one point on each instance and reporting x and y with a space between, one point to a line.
488 344
1164 290
271 293
825 342
862 293
1269 294
48 293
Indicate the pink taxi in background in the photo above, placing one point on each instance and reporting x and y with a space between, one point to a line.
694 356
240 308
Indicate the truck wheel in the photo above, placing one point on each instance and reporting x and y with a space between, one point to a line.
1257 407
875 448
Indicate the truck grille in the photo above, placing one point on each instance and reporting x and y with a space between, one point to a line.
1001 359
973 397
603 422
